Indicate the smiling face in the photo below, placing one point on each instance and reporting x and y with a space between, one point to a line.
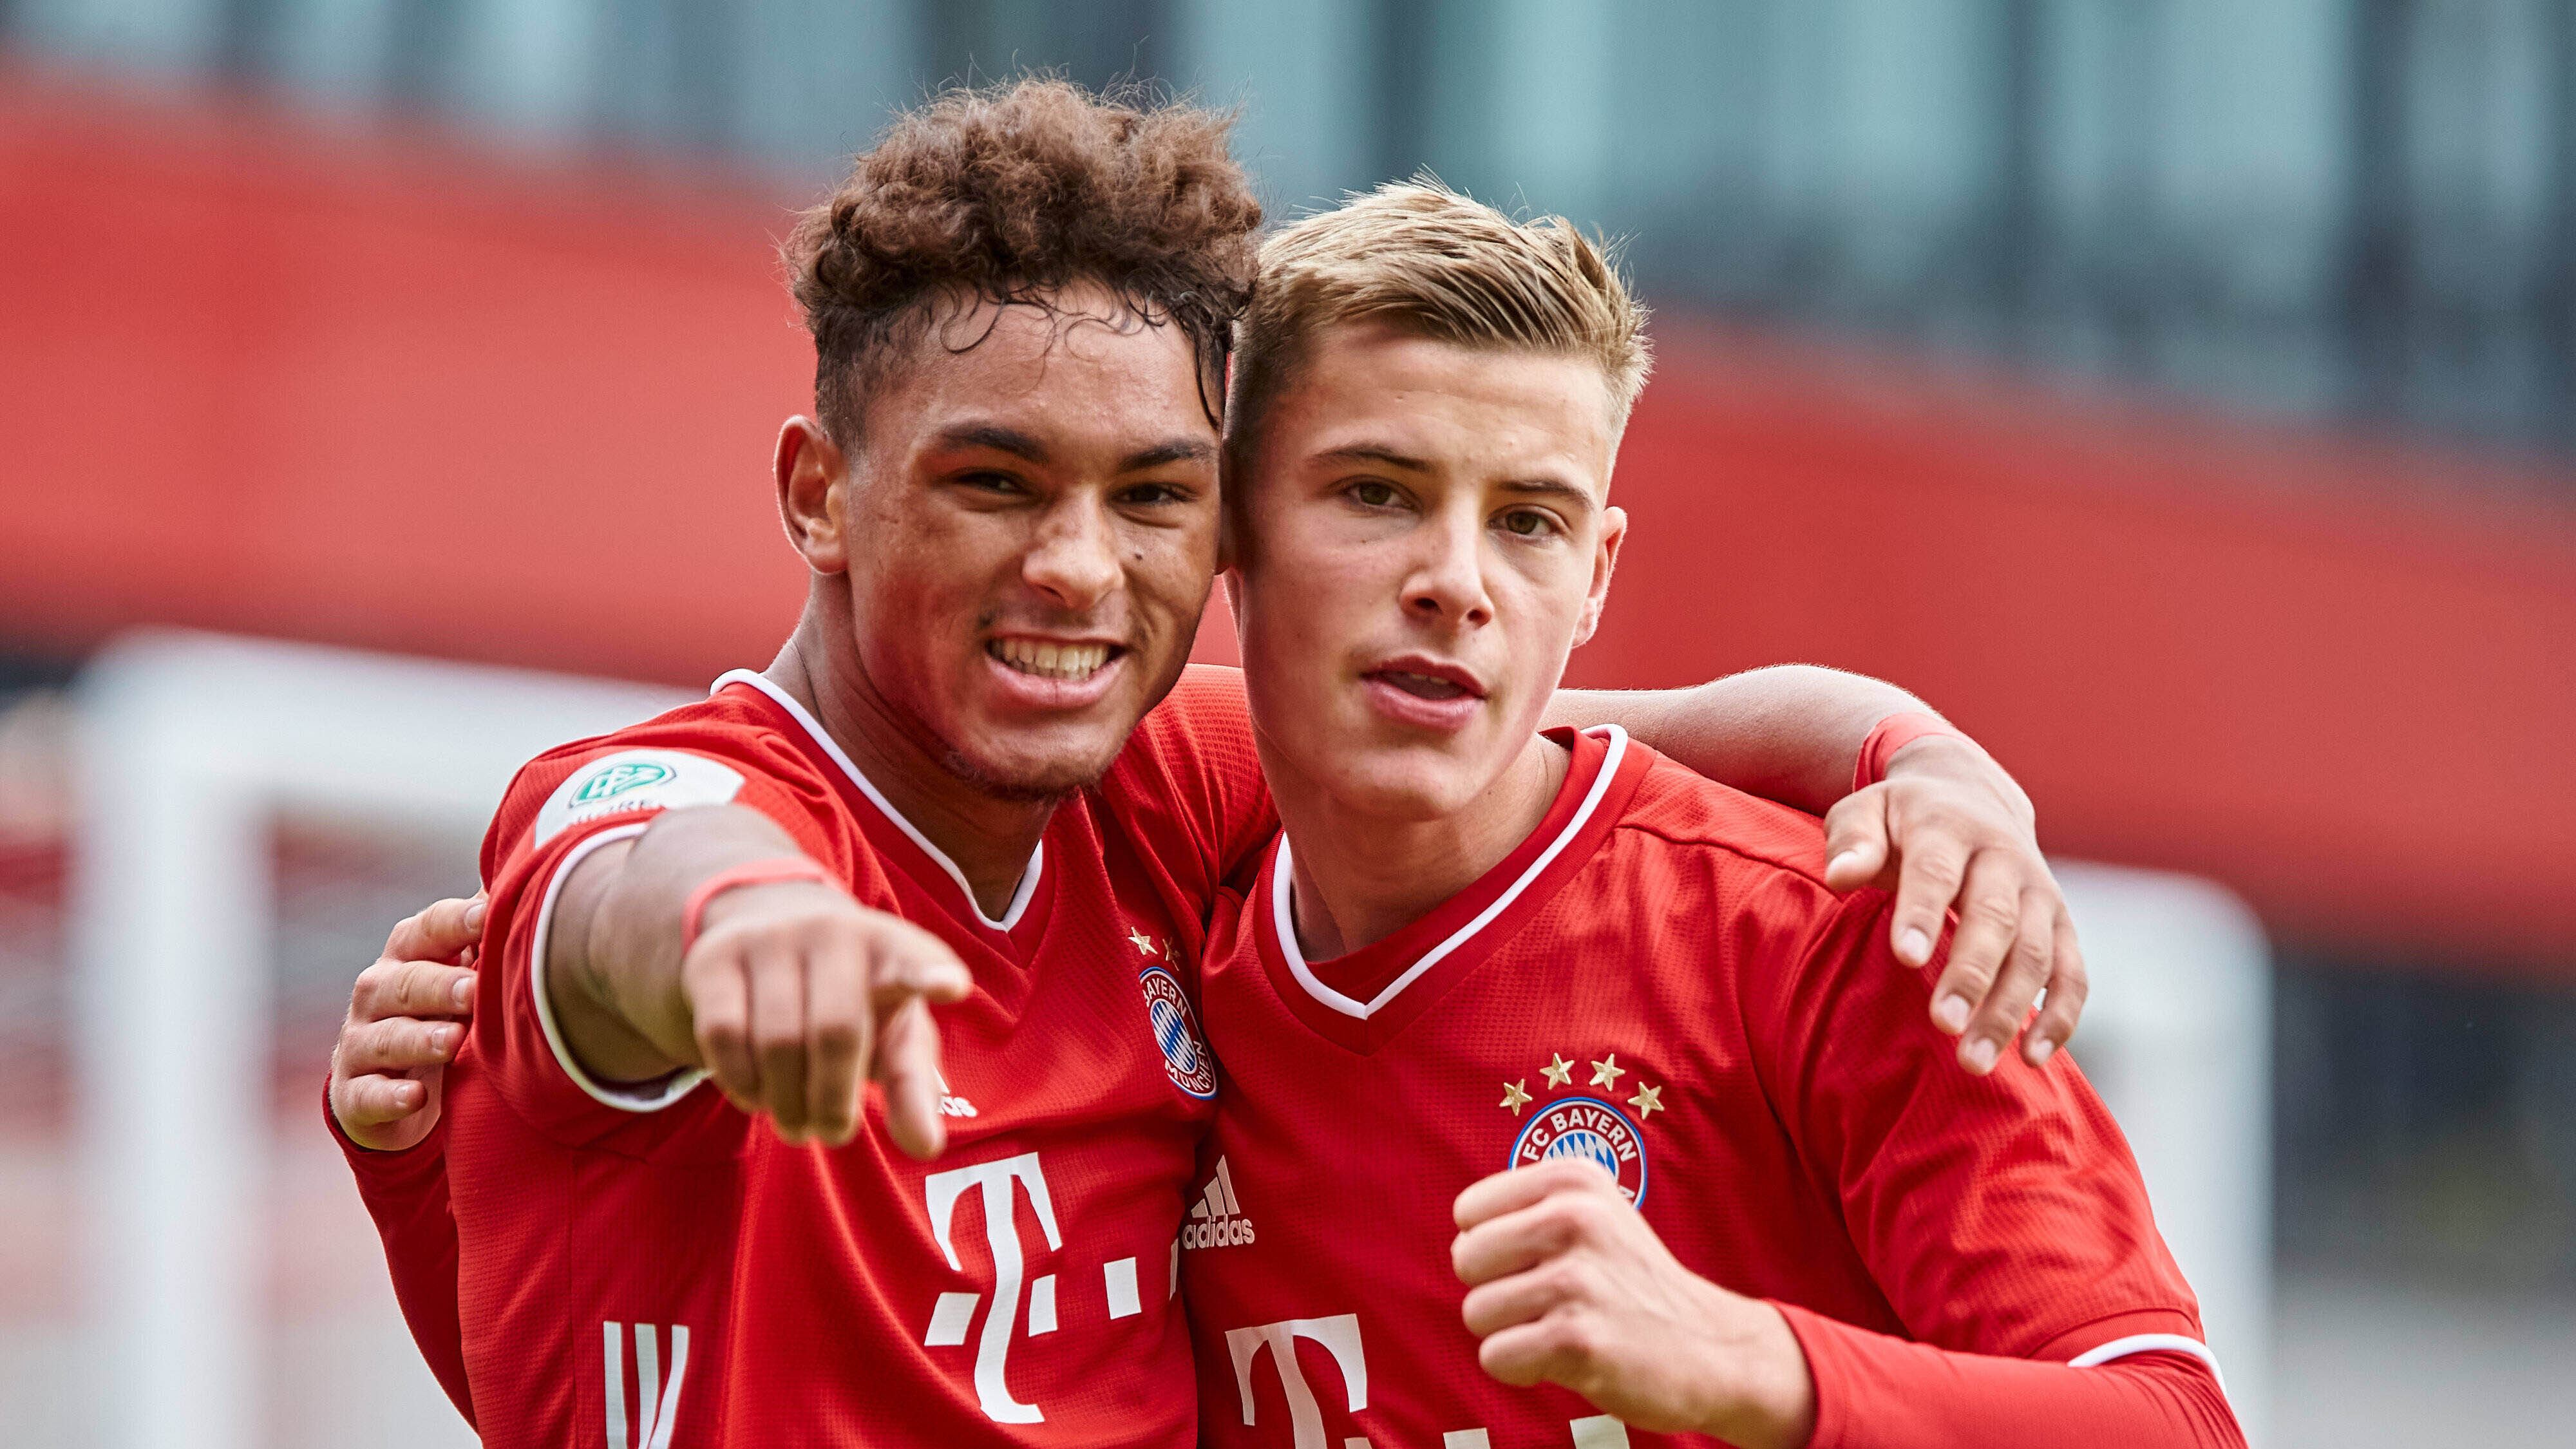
1424 537
1027 528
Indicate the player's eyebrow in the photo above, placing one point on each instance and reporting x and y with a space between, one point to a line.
996 437
1374 453
1175 450
1552 488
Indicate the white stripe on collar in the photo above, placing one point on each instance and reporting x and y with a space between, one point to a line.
1284 920
814 730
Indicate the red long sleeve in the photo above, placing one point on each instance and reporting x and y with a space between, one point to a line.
1878 1392
406 1193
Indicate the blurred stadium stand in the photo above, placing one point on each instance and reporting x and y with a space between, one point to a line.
2177 391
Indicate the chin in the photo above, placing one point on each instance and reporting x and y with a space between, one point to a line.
1401 785
1035 774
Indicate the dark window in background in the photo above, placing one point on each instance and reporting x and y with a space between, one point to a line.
2425 1124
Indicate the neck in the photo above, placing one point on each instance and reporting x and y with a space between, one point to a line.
1360 878
989 837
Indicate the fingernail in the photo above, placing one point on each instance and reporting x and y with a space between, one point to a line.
443 1037
462 991
1981 1055
2041 1050
1952 1014
1839 861
1914 946
474 916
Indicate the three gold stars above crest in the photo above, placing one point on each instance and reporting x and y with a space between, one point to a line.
1559 1073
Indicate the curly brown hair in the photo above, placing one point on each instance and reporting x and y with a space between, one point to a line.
1009 194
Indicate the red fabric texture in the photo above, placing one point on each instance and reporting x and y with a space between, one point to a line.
1878 1392
406 1193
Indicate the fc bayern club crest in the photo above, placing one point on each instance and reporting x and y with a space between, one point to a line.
1590 1129
1176 1031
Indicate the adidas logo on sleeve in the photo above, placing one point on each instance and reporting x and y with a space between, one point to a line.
1216 1219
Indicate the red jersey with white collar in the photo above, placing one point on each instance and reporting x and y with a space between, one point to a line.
650 1268
1658 981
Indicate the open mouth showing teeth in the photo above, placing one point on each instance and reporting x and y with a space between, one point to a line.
1421 686
1071 662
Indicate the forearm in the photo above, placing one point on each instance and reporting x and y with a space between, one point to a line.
613 960
1791 733
1874 1391
406 1194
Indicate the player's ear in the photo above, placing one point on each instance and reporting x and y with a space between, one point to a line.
812 476
1605 558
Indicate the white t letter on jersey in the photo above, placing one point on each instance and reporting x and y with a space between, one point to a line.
1340 1336
995 1178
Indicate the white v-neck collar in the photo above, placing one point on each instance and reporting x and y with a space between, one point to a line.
814 730
1284 921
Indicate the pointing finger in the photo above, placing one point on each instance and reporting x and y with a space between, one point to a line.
908 1064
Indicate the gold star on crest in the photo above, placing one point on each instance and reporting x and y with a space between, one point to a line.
1514 1097
1558 1071
1142 941
1607 1071
1648 1101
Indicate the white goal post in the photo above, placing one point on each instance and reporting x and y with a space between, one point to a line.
190 745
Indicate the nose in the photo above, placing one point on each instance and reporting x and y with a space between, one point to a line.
1075 559
1448 579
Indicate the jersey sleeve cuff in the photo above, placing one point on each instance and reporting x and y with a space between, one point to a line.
625 1097
2108 1340
1829 1369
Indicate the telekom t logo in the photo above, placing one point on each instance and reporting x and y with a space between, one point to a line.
949 1319
1340 1336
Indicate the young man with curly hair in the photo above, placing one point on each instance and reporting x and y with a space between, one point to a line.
959 841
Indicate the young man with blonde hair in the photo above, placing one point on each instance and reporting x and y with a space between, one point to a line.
1549 1016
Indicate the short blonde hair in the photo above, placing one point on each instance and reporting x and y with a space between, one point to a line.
1448 266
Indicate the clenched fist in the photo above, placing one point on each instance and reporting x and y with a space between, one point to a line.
1570 1286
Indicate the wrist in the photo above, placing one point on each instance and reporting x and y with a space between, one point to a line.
1769 1400
706 903
1957 758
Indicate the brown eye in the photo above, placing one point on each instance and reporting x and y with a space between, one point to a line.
1524 522
1372 495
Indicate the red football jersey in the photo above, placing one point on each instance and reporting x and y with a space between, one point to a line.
650 1267
1656 980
